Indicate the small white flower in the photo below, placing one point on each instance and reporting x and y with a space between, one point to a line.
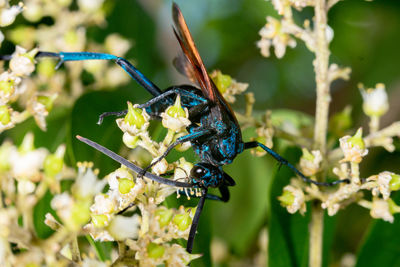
63 204
135 122
9 82
300 4
123 200
382 184
113 177
39 106
117 45
272 34
121 227
98 234
310 163
7 15
90 5
329 33
175 117
375 100
160 167
26 162
129 140
87 184
182 170
115 77
380 210
25 187
51 222
22 62
103 204
176 255
293 199
353 147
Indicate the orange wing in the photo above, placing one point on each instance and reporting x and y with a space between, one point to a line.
189 49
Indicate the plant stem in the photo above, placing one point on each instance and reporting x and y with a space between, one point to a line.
321 64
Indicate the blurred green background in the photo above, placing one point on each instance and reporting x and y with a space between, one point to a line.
367 37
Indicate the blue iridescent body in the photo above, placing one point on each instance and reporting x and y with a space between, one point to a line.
214 133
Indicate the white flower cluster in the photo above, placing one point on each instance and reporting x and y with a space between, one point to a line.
135 127
66 34
26 175
352 149
228 86
150 229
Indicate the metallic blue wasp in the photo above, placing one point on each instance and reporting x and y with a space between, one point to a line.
214 131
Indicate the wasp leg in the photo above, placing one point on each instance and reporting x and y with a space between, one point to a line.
195 222
180 140
283 161
82 56
130 165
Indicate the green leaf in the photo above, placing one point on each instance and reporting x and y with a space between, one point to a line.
288 233
84 117
103 249
382 243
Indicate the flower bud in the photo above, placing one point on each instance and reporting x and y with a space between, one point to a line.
134 116
164 216
7 87
222 81
5 150
33 12
175 117
357 140
274 34
100 220
394 183
176 110
310 163
129 140
27 144
155 251
381 210
182 147
7 15
80 214
182 221
46 68
47 101
122 228
5 117
353 147
71 37
26 187
22 62
393 208
182 171
53 165
160 167
117 44
125 185
287 198
293 199
375 100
